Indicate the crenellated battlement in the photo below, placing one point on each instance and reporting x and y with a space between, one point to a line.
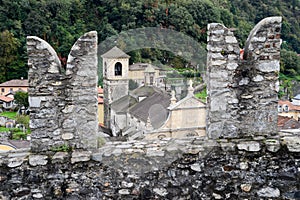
63 102
242 157
243 83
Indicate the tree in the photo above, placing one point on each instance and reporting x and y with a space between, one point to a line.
132 84
8 53
21 98
23 119
290 63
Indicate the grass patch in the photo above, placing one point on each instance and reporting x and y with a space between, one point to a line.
19 135
3 129
16 134
202 95
11 115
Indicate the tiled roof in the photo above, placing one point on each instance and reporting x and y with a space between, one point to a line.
285 122
141 109
289 104
115 52
144 91
123 104
141 66
100 100
282 120
100 90
6 99
150 69
15 83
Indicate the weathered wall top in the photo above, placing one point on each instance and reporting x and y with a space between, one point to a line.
192 168
63 103
242 88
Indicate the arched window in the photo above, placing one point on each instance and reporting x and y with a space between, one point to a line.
118 69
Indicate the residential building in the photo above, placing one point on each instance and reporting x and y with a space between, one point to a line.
6 102
285 122
288 109
13 86
139 72
100 107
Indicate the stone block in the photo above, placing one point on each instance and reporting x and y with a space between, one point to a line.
231 66
244 81
80 156
258 78
249 146
269 192
272 145
292 143
230 40
155 153
35 102
271 66
67 136
15 162
160 191
60 157
259 39
218 62
246 187
35 160
217 56
230 129
228 146
215 130
97 157
196 167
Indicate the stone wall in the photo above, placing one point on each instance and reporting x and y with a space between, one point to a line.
250 163
63 102
195 168
242 88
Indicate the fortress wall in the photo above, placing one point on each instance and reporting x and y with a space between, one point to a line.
252 161
193 168
63 102
242 88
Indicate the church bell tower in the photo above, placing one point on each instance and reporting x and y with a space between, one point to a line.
115 79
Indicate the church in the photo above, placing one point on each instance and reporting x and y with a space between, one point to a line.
148 111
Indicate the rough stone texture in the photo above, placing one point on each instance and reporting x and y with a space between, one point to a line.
242 93
63 103
193 168
241 100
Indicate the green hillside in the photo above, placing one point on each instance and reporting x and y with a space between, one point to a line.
61 22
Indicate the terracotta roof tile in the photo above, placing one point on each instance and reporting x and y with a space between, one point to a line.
6 99
289 104
100 100
15 83
285 122
100 90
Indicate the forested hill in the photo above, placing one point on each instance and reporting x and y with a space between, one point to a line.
61 22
